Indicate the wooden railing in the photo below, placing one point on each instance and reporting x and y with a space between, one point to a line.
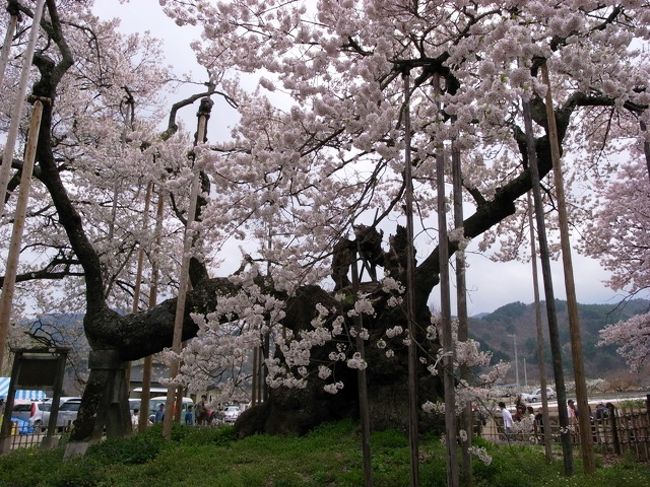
623 430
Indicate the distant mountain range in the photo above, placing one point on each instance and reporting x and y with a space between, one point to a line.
494 331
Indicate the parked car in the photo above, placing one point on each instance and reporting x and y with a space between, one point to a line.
536 395
22 410
231 413
68 410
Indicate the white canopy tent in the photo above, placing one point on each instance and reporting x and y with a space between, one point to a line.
21 394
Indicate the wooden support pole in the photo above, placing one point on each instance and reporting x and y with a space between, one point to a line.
362 384
586 440
184 283
17 112
13 256
461 306
143 420
551 315
135 306
6 47
410 291
546 423
255 375
449 380
646 144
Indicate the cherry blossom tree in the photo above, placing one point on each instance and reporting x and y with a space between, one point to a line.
621 214
306 170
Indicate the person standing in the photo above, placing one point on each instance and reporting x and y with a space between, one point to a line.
201 411
572 412
135 418
507 420
160 414
189 416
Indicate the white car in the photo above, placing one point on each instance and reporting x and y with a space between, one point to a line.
231 413
536 395
68 410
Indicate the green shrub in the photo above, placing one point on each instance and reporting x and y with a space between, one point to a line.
136 449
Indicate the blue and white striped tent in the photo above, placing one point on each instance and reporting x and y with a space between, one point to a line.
23 394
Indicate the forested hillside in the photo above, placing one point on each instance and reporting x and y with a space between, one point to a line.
495 332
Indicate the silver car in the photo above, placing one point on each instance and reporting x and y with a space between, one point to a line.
68 410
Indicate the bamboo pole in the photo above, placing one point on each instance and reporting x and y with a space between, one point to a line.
546 424
362 384
461 306
410 290
203 115
9 285
449 381
586 440
551 315
143 420
17 112
6 47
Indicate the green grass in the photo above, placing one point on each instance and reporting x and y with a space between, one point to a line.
329 456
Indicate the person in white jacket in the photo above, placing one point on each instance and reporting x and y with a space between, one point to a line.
507 419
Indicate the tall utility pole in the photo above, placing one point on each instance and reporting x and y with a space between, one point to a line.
514 341
525 374
551 315
586 439
184 282
410 289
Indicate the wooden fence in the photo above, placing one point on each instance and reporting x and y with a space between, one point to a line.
615 430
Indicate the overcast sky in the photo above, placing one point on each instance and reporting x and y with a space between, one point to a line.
490 284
